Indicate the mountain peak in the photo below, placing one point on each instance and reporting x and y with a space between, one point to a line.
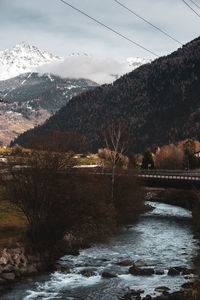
23 58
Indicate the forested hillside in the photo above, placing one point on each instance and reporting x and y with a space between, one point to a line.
159 102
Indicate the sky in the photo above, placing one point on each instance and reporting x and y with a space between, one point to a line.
57 28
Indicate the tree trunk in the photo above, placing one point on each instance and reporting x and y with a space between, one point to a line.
113 183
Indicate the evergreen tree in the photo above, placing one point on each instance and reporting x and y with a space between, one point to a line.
147 162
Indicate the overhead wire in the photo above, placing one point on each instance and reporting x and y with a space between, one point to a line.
148 22
109 28
198 6
191 8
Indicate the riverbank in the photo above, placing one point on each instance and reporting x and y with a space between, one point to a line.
21 261
183 198
108 271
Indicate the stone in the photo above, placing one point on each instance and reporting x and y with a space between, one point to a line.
87 273
24 260
131 294
140 263
8 276
148 297
17 259
23 270
173 272
3 260
141 272
186 271
136 292
126 263
31 269
187 285
162 289
8 268
57 267
159 272
122 273
108 275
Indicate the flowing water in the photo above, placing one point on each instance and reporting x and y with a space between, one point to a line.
163 238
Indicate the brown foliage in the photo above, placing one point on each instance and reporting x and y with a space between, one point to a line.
177 156
169 157
57 141
56 199
129 197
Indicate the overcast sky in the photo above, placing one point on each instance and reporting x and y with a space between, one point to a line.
55 27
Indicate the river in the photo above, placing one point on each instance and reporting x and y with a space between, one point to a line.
163 238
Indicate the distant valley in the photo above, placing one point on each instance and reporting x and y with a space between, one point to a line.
30 98
158 102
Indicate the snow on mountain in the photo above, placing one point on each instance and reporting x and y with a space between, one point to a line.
135 62
23 58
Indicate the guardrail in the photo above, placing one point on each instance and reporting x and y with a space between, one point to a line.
171 175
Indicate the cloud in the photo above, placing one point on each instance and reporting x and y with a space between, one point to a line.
99 69
57 28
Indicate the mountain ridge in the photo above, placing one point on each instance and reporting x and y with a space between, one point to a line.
23 58
159 103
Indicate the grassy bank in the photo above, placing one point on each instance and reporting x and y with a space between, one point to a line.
13 222
56 198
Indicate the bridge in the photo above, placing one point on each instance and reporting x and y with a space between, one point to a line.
171 178
183 179
188 179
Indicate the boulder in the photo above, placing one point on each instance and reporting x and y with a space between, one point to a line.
23 270
87 273
148 297
140 263
131 294
141 272
173 272
8 268
122 273
108 275
186 271
8 276
187 285
126 263
162 289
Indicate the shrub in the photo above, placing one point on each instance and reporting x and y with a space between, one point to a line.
129 197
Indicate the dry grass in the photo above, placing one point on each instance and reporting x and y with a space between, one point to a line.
12 221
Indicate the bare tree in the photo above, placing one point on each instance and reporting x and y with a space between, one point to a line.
117 141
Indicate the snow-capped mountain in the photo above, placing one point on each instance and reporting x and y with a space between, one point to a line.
32 89
23 58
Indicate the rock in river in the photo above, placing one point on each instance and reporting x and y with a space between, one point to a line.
108 275
141 272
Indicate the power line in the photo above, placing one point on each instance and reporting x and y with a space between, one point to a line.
109 28
198 6
191 8
148 22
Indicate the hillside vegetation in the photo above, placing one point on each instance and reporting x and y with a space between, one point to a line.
158 102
